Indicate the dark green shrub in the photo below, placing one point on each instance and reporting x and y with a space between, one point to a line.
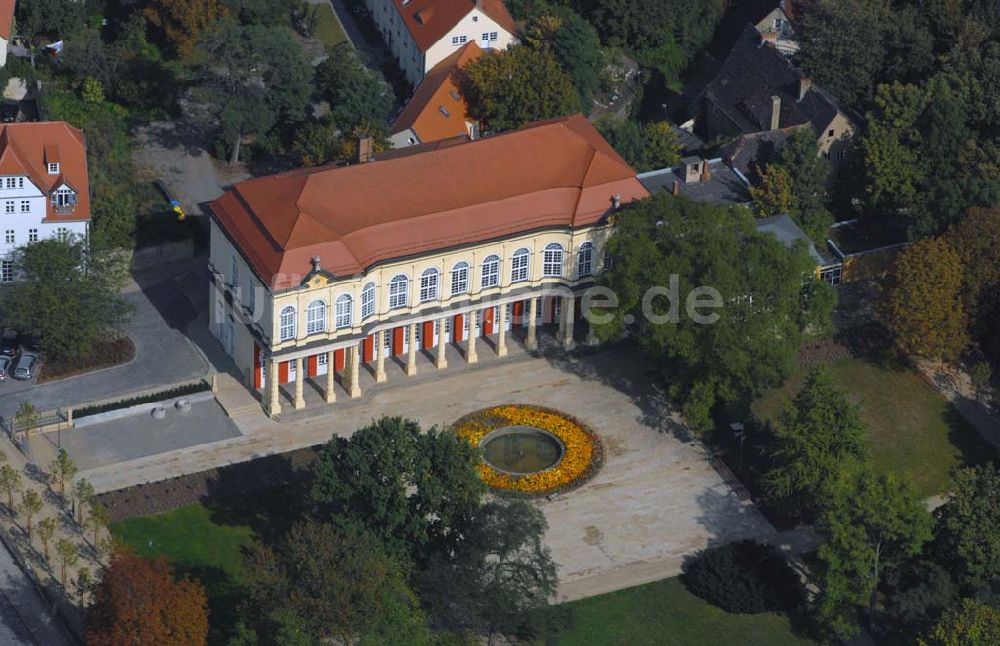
180 391
743 577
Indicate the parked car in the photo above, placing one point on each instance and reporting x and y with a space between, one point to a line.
9 343
27 366
4 367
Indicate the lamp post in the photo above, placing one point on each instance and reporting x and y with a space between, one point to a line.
740 434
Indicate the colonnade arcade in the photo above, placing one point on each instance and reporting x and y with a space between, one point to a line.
462 328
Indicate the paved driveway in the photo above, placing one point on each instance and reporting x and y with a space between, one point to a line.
164 355
656 500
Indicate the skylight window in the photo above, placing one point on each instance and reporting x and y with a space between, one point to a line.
443 110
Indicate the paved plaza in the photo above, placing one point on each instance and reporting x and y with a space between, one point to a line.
656 499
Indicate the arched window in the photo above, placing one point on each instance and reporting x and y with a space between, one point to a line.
491 271
552 260
316 317
344 307
460 278
399 286
585 260
429 285
368 300
286 324
519 265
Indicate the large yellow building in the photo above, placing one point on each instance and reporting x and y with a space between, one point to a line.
319 271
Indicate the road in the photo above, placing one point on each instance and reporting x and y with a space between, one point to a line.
24 615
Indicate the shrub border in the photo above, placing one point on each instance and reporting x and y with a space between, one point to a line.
179 391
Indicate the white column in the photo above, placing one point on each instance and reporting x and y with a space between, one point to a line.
354 384
441 361
274 393
531 340
411 354
567 316
300 378
380 376
502 334
331 394
470 348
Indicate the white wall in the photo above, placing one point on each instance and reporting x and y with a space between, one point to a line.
473 26
21 223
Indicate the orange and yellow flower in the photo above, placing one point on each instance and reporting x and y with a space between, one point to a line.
581 459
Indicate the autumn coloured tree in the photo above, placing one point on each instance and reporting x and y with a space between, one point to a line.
772 195
970 623
181 22
138 601
976 239
925 310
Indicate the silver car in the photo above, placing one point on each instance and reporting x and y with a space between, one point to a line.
4 367
26 366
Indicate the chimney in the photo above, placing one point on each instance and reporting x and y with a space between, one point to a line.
479 5
676 190
366 149
775 112
315 263
805 84
705 173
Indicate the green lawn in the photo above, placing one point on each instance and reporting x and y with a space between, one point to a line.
913 429
664 613
328 29
196 545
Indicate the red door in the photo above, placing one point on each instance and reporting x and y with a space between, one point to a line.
458 328
257 367
311 366
487 321
427 336
338 359
368 346
517 313
283 372
397 341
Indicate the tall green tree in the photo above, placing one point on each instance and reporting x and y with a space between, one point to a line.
357 95
498 577
968 536
746 340
60 299
891 148
871 526
330 584
575 44
969 623
924 308
809 173
417 492
513 87
645 146
252 77
820 440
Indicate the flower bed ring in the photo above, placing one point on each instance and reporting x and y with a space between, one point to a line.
581 453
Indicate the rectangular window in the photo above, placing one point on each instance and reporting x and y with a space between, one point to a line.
8 236
519 267
32 235
454 40
11 182
460 280
53 169
8 206
62 233
493 35
25 206
7 271
20 182
486 36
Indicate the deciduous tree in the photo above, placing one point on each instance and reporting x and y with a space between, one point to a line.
924 309
46 530
336 585
772 195
180 22
976 238
968 536
358 96
820 440
31 504
871 526
62 469
575 44
970 623
83 494
644 146
515 86
138 601
69 555
10 483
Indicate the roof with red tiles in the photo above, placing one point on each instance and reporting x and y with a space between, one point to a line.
28 148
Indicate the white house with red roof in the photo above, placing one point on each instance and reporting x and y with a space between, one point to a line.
44 187
6 25
422 33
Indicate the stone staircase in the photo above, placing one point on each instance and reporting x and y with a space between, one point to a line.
235 398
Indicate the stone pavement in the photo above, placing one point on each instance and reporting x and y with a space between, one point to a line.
25 617
656 500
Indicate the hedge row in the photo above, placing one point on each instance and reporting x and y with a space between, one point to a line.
180 391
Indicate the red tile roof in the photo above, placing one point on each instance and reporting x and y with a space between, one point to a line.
436 109
26 148
6 18
430 20
556 173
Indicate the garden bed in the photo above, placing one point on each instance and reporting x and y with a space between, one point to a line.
103 354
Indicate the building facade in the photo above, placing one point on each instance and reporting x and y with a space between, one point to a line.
422 33
44 187
322 271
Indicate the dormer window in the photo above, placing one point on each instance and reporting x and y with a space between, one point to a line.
54 168
63 198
